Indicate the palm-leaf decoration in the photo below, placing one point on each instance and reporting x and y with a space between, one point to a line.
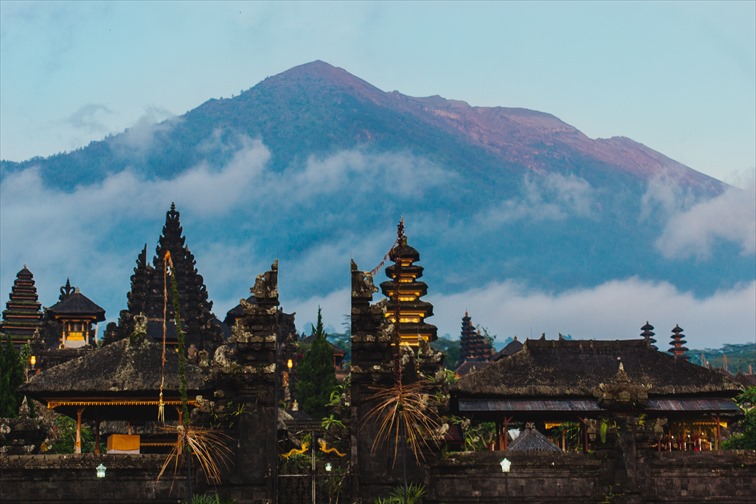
210 447
402 410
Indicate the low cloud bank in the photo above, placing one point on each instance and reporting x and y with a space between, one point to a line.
612 310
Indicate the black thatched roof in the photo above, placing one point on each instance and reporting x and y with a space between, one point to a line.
129 367
512 348
77 303
566 368
470 365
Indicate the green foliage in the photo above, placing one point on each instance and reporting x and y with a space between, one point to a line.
344 342
451 349
415 493
739 356
746 438
316 377
11 377
63 436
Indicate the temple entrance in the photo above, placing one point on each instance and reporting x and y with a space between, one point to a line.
314 470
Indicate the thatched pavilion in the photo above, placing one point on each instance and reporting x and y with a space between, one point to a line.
120 381
555 381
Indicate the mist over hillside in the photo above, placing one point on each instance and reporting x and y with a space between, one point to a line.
518 216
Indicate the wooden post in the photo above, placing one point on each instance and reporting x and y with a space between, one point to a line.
719 434
499 440
180 424
507 421
585 438
77 446
97 435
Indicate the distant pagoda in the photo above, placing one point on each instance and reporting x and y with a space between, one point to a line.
23 314
677 343
648 334
404 292
473 345
147 291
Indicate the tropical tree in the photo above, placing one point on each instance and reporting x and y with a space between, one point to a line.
316 376
746 438
11 377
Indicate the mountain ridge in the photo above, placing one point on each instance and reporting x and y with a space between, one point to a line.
315 166
515 138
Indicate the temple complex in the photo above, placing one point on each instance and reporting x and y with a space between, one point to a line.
22 315
632 408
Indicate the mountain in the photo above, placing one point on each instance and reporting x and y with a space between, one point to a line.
315 165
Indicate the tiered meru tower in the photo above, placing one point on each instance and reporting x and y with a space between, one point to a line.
404 292
677 343
23 314
147 284
473 345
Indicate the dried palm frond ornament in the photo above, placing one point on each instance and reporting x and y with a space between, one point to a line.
402 410
209 446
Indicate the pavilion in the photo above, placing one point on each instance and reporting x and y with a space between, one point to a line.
550 382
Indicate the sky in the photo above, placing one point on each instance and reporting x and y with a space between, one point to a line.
679 77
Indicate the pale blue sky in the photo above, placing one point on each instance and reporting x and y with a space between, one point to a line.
679 77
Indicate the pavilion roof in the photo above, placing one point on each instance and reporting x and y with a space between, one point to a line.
570 368
129 367
77 303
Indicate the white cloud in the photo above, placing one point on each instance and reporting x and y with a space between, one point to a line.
664 195
612 310
729 217
363 173
138 140
550 197
334 307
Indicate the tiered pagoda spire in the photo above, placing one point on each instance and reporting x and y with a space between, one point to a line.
677 343
147 289
23 314
648 334
473 345
404 292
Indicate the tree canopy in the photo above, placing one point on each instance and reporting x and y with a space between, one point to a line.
11 377
316 376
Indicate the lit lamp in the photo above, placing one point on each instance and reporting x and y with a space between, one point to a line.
506 465
328 467
289 364
100 475
33 361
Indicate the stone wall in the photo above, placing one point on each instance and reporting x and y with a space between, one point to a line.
52 479
565 478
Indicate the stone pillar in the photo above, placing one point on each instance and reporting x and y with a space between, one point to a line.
372 365
245 375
